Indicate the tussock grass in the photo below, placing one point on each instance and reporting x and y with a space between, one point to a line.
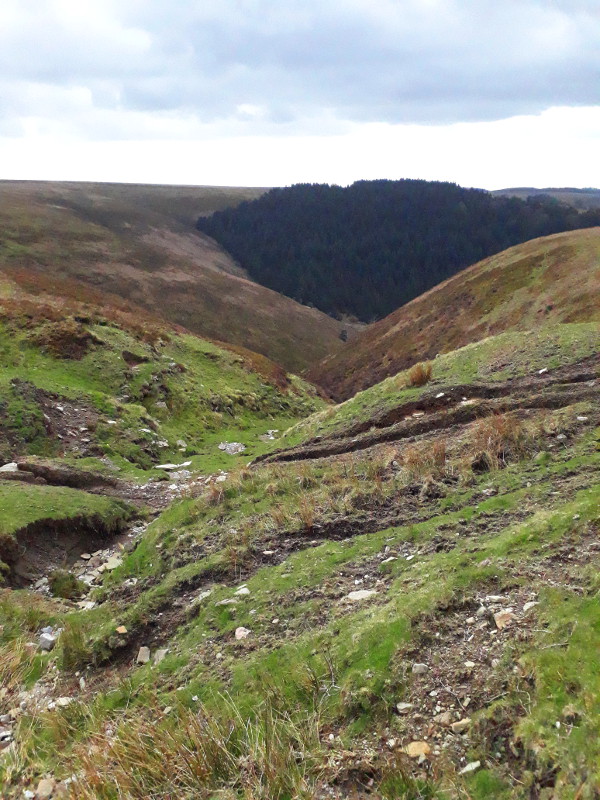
420 374
271 756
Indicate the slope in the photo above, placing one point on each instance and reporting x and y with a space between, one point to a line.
98 395
417 617
365 249
548 280
137 242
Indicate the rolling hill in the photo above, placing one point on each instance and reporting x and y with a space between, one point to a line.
139 243
544 281
581 199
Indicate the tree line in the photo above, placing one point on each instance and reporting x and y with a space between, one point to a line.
365 249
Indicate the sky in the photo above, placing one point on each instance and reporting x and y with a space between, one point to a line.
488 93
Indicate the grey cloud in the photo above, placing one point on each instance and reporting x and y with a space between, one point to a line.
412 61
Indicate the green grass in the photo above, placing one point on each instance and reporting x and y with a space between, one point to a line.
185 389
21 505
498 358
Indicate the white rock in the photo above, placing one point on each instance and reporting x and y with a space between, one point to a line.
47 641
143 656
404 708
472 766
420 669
242 633
361 594
11 467
243 590
529 605
461 726
63 702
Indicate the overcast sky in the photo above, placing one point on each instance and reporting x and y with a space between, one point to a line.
488 93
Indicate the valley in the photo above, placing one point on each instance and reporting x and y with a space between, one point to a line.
220 583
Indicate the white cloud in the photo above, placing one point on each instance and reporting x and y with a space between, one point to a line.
310 77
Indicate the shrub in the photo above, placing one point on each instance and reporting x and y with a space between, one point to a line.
420 374
65 584
498 439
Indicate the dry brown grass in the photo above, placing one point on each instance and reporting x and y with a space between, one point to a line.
307 512
201 755
498 439
420 374
428 459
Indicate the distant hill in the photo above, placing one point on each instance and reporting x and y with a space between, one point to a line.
139 242
548 280
581 199
365 249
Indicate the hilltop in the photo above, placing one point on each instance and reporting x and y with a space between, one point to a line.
542 282
365 249
139 243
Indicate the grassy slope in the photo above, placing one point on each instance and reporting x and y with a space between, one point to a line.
545 281
309 697
139 242
497 358
181 388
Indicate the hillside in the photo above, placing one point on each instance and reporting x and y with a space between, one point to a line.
397 599
545 281
139 242
365 249
582 199
92 383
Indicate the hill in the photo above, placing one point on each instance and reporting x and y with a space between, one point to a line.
582 199
105 394
365 249
401 603
138 242
548 280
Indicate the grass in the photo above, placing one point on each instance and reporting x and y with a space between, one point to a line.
21 505
182 389
308 699
530 287
499 358
68 239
